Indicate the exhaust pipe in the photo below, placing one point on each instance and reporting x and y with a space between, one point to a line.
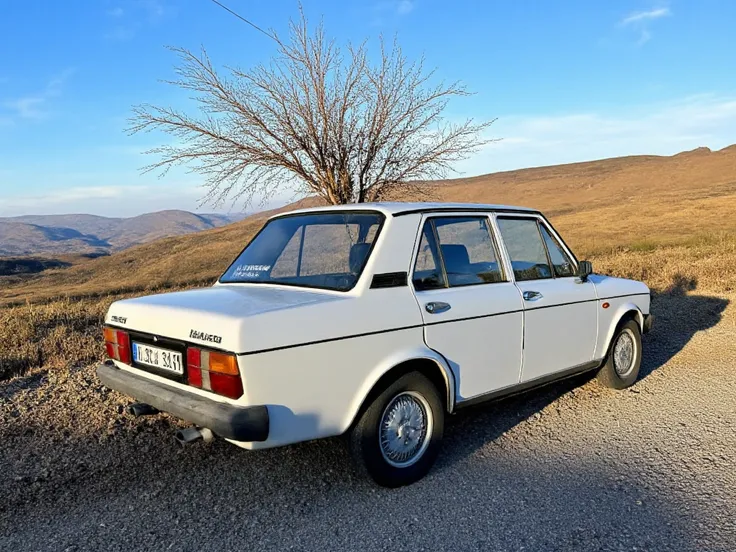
141 409
192 434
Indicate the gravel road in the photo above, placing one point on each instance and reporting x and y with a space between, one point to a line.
571 467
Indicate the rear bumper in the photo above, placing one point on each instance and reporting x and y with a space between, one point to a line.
648 323
231 422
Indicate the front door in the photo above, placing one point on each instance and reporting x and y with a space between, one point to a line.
560 311
472 310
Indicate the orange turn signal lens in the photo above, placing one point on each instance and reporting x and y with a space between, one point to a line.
223 363
110 336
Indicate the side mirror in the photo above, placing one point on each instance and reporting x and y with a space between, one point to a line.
585 269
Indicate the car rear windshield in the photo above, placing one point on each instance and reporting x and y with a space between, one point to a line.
319 250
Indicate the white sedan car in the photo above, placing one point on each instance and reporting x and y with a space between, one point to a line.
375 321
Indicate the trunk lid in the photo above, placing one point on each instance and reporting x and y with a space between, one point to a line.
213 317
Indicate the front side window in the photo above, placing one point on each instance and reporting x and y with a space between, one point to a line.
320 250
560 261
454 252
525 248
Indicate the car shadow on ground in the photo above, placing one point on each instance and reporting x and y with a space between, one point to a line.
136 487
678 317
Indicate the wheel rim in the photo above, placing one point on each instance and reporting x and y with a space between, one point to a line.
405 429
624 353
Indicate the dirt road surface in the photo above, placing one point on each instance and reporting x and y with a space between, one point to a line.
570 467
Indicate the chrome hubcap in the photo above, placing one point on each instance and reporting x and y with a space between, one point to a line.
405 429
624 353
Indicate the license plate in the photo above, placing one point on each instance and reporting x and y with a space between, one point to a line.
171 361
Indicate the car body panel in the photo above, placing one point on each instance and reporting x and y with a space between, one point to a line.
291 382
623 296
480 336
560 328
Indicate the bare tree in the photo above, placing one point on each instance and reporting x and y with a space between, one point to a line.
336 125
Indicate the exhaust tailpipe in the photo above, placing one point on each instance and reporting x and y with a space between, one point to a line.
141 409
192 434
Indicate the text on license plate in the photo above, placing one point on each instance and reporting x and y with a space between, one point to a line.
170 361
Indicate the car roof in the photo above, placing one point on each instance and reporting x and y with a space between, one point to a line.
397 208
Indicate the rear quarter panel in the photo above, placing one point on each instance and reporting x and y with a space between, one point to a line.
316 390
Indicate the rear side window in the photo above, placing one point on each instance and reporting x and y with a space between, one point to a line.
525 248
560 261
456 251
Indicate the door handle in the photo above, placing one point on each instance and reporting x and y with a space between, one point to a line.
436 307
532 295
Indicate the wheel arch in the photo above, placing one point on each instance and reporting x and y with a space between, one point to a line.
627 311
424 361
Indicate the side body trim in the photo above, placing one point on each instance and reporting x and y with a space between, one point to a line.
353 336
529 385
422 325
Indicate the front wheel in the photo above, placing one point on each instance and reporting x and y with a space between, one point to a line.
624 357
397 438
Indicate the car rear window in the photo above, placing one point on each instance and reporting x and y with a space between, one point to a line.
319 250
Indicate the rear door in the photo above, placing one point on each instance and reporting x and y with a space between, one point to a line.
472 310
560 311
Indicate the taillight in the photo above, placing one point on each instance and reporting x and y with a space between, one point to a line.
214 371
194 370
228 386
117 345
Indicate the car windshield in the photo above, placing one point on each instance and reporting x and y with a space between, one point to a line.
318 250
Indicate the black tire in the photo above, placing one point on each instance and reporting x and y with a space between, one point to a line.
614 375
364 439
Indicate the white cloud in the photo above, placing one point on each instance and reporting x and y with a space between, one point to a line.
33 106
28 107
139 15
664 129
404 7
113 200
55 86
154 8
385 11
641 20
640 16
644 37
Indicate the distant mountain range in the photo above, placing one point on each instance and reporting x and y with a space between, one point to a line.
49 235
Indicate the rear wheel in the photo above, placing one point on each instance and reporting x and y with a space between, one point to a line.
397 438
624 357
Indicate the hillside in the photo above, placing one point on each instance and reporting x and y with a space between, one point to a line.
636 203
52 235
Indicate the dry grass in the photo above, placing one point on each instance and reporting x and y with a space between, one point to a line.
67 332
58 334
710 265
664 220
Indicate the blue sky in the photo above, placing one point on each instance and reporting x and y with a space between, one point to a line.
567 80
